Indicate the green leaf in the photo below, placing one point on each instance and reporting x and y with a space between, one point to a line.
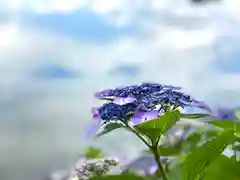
226 124
222 168
156 127
212 133
192 141
93 152
166 151
238 113
175 173
204 155
175 168
118 177
108 128
194 116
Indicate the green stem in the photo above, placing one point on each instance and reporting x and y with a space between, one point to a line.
160 166
233 144
161 170
140 137
235 153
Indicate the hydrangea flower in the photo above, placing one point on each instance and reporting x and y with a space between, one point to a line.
140 103
221 113
225 114
169 97
111 111
94 167
133 92
140 117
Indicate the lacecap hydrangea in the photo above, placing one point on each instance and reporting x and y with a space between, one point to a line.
139 103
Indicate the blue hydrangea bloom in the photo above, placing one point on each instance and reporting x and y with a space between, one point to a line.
221 113
141 102
141 116
225 114
110 112
170 97
135 91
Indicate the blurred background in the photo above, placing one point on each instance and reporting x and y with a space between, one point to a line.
55 54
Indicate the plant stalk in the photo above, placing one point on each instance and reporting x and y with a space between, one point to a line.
153 147
161 170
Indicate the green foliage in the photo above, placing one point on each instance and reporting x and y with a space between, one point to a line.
192 141
238 114
175 172
196 138
194 116
93 152
212 133
222 168
166 151
226 124
108 128
204 155
155 128
198 157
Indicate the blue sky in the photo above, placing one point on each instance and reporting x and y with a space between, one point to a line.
82 25
54 55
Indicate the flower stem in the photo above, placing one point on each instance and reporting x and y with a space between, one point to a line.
233 144
139 136
161 170
153 147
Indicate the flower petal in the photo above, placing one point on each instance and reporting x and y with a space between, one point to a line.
122 101
170 87
225 114
95 113
140 117
152 169
102 94
201 104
